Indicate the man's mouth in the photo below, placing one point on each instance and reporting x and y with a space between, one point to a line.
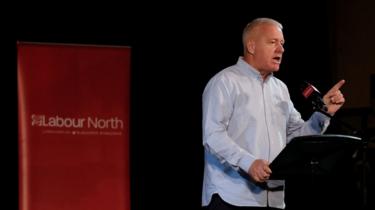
277 59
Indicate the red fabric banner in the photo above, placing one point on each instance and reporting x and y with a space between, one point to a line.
73 126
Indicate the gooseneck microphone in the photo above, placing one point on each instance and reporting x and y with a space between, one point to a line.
313 95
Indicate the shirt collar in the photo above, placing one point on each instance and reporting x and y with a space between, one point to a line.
249 70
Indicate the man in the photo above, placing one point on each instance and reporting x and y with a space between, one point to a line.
248 118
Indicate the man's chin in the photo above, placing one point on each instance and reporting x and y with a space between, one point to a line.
275 69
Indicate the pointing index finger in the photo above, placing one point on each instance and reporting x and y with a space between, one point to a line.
337 86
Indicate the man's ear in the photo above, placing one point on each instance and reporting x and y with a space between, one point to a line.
250 46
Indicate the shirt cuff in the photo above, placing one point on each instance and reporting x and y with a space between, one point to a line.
320 121
245 162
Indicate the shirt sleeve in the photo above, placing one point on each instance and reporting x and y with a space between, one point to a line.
217 111
317 124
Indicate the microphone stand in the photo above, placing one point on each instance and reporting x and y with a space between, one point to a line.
363 161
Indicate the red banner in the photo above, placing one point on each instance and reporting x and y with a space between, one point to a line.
73 127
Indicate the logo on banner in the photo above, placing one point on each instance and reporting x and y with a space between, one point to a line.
78 126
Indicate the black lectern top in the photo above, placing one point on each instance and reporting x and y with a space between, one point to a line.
313 154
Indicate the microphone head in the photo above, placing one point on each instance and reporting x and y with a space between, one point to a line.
313 95
308 89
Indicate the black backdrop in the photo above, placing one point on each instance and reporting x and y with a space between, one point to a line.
176 48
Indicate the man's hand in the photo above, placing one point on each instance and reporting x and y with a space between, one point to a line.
260 170
334 98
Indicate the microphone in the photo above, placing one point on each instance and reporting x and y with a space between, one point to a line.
313 95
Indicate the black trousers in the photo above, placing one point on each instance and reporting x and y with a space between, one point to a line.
219 204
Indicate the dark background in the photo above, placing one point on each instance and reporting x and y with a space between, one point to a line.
176 48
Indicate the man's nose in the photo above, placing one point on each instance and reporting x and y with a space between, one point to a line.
280 48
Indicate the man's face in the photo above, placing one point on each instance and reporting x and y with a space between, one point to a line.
268 49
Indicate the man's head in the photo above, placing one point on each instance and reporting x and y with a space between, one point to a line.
263 42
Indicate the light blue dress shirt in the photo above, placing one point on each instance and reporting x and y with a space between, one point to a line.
247 118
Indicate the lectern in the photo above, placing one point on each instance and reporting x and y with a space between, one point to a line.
313 155
317 169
